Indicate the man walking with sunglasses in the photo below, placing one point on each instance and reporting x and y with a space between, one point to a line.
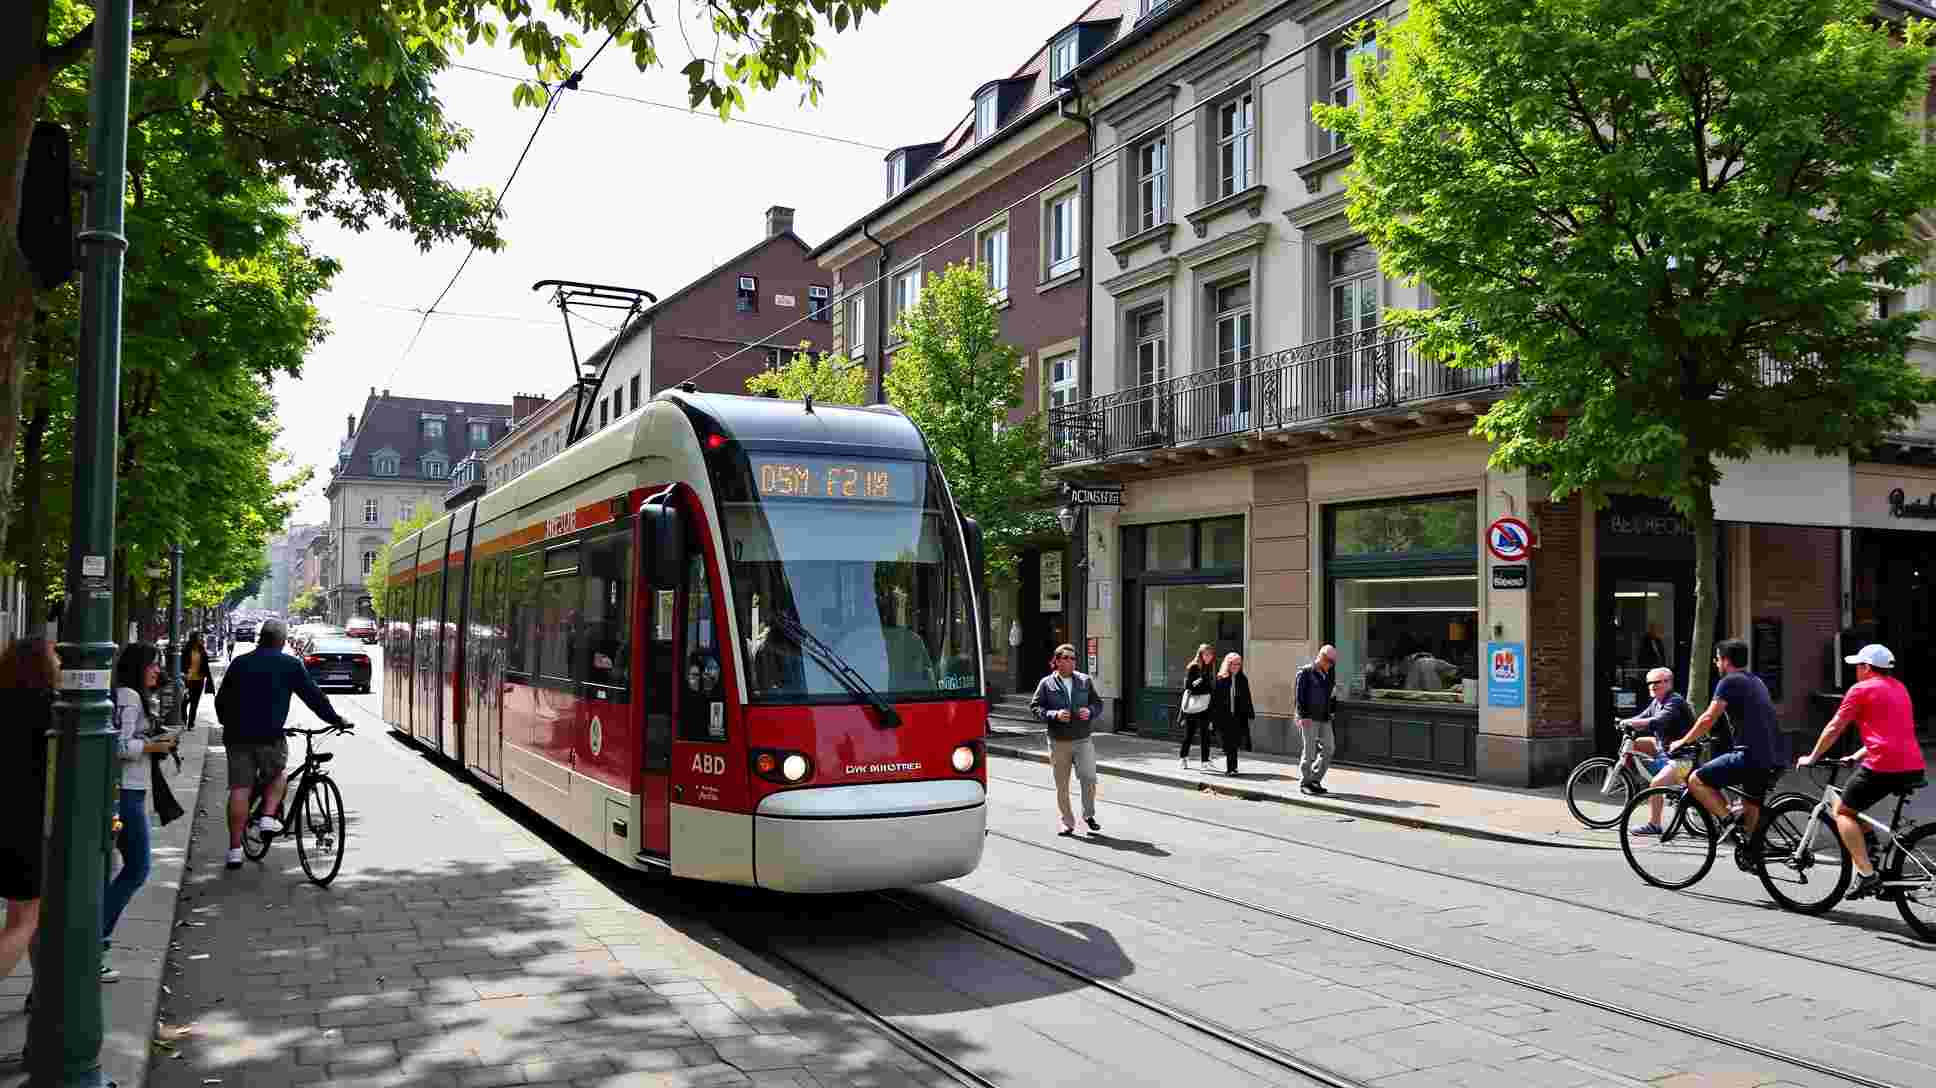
1066 702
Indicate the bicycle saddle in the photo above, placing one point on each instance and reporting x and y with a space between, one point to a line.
325 757
1911 786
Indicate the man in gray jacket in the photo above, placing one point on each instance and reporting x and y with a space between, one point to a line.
1066 701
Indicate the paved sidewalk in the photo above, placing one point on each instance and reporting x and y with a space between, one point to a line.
141 937
459 949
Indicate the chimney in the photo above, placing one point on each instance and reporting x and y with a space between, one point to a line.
779 220
352 425
524 405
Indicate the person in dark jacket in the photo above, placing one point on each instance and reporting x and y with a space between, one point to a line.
1231 709
195 677
253 705
1066 701
1316 692
1198 679
29 678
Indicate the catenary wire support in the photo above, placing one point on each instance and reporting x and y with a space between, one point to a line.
588 376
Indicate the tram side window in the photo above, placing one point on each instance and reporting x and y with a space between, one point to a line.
608 630
702 668
561 618
521 594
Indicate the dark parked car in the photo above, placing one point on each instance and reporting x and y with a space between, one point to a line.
245 631
338 663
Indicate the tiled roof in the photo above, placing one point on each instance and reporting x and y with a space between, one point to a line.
396 423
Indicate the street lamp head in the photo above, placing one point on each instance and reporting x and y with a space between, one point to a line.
1066 517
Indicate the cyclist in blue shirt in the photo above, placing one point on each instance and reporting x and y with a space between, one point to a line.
1755 761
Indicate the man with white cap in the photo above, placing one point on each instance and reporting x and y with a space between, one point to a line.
1892 761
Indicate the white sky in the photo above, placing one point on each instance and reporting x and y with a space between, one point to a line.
616 192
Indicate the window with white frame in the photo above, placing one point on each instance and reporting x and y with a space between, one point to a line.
904 292
1151 164
986 114
818 309
1343 89
1062 230
1063 56
992 250
369 563
857 326
435 469
1060 372
1231 305
896 173
746 298
1147 8
370 512
1355 305
1149 362
404 509
1236 129
433 428
384 463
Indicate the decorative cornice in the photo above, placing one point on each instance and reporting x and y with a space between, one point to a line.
1206 63
1311 212
1129 105
1159 235
1250 200
1179 27
1226 244
1313 172
1154 272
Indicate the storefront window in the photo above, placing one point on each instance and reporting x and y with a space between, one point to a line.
1178 619
1404 599
1222 543
1168 546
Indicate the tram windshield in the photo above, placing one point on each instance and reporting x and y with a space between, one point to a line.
864 555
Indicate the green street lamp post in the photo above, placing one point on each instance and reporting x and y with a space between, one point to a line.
66 1029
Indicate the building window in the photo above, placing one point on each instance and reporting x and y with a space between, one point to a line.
992 250
1063 234
857 326
746 300
1151 362
370 512
1402 584
1343 89
618 402
1147 8
369 563
903 294
1207 559
604 414
1231 306
986 114
433 429
435 469
1062 379
1355 353
1152 193
819 308
480 434
896 173
1063 56
634 386
1236 143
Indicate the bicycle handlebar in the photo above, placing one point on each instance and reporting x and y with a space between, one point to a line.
346 727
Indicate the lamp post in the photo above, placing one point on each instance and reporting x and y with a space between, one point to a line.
1074 521
66 1027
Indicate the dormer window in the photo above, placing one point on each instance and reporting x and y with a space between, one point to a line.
384 462
747 299
1062 56
436 468
433 428
896 172
986 114
1151 7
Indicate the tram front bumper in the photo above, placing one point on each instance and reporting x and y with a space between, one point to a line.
867 837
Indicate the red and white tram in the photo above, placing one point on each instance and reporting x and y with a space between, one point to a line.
735 637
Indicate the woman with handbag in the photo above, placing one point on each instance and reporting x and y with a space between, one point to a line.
1231 709
136 673
1194 710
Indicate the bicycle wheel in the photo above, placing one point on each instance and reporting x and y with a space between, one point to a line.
320 830
1682 853
1808 879
254 843
1914 859
1596 792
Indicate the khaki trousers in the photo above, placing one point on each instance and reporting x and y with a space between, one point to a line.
1081 756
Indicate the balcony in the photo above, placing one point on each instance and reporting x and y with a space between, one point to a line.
1370 380
466 482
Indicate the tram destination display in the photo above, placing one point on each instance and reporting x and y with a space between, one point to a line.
835 478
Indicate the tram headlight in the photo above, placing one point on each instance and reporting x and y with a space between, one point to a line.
781 766
966 758
795 767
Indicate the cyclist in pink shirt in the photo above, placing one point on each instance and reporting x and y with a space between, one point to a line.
1892 761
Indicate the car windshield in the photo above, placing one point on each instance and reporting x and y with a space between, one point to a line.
862 553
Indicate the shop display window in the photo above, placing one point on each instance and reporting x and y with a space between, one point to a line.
1403 596
1178 619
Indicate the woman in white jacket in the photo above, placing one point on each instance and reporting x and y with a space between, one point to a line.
136 673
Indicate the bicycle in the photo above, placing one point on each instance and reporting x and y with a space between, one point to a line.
313 812
1805 842
1598 789
1684 850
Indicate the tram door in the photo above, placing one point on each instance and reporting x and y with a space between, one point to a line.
658 625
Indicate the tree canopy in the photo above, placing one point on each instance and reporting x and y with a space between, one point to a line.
1676 216
828 378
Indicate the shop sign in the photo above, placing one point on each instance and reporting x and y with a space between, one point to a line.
1511 576
1095 655
1510 540
1506 679
1649 525
1093 495
1900 506
1051 582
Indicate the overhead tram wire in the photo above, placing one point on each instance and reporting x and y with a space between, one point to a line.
671 107
1181 119
552 95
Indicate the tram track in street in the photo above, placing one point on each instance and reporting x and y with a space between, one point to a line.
1500 886
1743 1045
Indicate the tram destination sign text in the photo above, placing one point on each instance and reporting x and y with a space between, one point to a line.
838 479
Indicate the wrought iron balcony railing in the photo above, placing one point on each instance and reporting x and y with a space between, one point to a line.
1379 368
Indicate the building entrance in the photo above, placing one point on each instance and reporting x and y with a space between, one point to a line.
1894 603
1646 622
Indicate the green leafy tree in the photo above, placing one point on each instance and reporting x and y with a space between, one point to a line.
1674 215
962 386
336 102
307 603
377 583
825 377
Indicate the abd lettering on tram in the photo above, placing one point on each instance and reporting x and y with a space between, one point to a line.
732 637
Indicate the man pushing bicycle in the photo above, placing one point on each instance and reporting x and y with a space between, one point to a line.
1891 759
253 706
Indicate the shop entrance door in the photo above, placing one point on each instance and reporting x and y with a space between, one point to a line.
1646 622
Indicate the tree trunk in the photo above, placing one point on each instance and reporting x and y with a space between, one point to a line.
1700 660
23 81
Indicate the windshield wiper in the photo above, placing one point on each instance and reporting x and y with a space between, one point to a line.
831 660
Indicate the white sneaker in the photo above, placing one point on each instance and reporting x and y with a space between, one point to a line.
1184 763
268 825
235 858
109 974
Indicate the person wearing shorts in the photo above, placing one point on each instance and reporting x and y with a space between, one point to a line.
1754 763
253 706
1665 716
1890 757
